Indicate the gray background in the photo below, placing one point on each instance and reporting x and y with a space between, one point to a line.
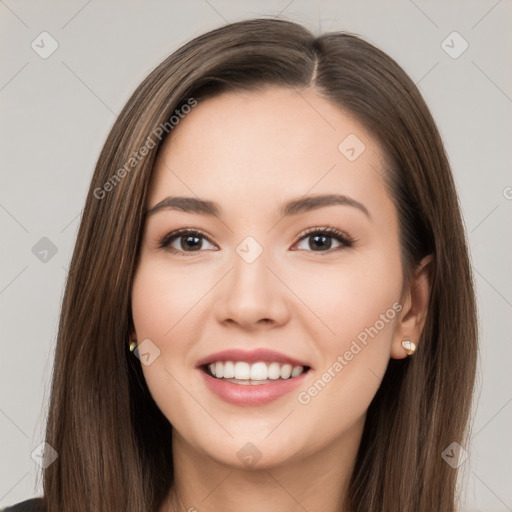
56 113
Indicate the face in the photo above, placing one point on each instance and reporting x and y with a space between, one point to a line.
289 283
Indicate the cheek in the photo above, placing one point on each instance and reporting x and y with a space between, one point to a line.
162 300
358 305
348 298
162 309
168 308
149 305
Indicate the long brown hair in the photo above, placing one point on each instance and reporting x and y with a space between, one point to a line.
114 444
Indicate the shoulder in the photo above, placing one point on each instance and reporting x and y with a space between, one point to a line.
31 505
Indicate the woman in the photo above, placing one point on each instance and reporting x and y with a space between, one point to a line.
270 304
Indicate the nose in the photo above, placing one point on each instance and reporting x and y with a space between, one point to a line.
252 296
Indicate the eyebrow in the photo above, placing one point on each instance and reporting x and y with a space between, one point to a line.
292 207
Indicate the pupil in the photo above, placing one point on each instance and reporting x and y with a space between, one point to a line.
196 240
321 237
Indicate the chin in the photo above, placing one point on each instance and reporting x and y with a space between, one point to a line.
253 452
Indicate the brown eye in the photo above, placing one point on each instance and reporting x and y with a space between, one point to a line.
184 241
321 239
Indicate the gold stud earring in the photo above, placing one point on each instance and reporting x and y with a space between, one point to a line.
409 347
133 346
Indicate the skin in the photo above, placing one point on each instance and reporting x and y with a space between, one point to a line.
251 152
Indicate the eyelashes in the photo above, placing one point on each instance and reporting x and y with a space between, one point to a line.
315 234
327 232
165 243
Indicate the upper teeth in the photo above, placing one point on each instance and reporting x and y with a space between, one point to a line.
256 371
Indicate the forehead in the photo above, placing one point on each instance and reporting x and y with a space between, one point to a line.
252 146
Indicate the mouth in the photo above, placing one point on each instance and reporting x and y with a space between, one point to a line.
252 378
258 373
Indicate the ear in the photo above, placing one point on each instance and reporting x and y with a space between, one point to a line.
412 318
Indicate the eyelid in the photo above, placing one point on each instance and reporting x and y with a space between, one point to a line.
170 237
331 231
344 238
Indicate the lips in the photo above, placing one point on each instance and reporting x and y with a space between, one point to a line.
250 378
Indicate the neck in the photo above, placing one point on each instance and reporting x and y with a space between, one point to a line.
315 482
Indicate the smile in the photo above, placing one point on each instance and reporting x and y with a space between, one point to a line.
252 378
259 373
